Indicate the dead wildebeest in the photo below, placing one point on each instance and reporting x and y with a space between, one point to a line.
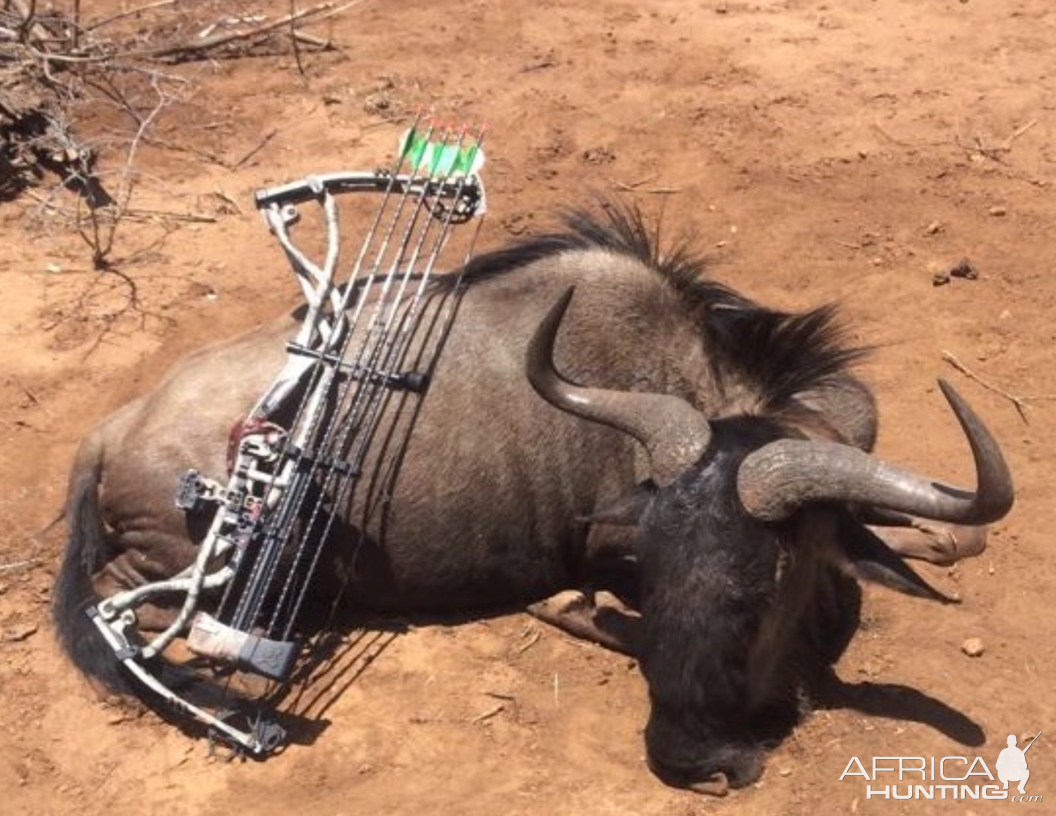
751 487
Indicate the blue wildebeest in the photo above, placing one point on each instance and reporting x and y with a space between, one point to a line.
732 439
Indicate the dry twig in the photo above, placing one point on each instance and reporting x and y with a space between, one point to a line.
533 639
491 712
636 187
994 152
14 565
33 397
256 149
1020 403
186 50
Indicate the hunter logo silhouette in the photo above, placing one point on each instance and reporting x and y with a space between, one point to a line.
1012 763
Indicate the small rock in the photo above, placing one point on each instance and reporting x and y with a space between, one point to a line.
933 228
964 269
940 278
998 212
598 155
973 647
20 632
377 103
785 772
53 268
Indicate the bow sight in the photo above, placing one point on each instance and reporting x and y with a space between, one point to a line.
302 449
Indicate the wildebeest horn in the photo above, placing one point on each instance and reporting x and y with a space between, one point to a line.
673 432
778 478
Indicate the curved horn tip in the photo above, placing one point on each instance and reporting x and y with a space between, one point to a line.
958 403
566 296
539 359
556 313
1002 491
953 396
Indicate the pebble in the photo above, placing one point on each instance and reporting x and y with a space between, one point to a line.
964 269
973 647
998 212
20 632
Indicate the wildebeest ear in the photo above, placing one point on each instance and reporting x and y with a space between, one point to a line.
626 509
872 560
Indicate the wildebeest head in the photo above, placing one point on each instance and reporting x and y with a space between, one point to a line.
746 541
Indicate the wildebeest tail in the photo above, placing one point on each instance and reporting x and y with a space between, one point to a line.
74 594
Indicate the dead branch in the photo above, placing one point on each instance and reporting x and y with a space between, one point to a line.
186 50
1019 402
54 63
99 233
35 29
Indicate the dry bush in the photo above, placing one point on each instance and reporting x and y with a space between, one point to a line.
56 63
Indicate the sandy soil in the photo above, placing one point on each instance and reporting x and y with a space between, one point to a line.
822 151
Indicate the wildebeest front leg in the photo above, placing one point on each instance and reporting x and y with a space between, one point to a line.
925 540
599 617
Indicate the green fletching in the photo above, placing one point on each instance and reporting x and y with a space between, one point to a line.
439 158
413 146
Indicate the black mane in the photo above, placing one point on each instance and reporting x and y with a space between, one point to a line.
780 354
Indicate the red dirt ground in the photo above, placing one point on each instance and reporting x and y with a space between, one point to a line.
823 151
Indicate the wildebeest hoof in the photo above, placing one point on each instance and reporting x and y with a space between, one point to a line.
941 544
567 602
718 785
953 541
609 624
